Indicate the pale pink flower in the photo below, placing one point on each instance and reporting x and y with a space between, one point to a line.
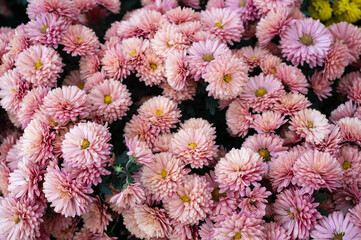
267 5
330 144
139 151
56 224
269 64
245 9
292 78
336 61
85 5
130 196
89 64
4 179
346 109
111 5
131 224
67 196
181 15
281 170
14 155
93 80
206 231
346 83
151 71
74 78
177 70
199 123
115 63
355 215
321 86
7 143
149 22
65 8
291 103
251 56
135 48
347 197
275 232
215 4
238 118
350 159
187 93
181 231
268 122
193 31
161 143
97 218
254 201
354 93
350 129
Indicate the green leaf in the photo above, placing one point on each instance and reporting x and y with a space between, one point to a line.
134 167
322 211
122 159
117 183
104 188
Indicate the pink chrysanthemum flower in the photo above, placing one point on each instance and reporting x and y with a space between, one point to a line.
269 64
238 226
168 39
350 129
336 61
254 201
226 76
268 122
310 124
31 102
161 143
95 79
161 112
135 48
180 15
20 219
130 196
245 9
355 215
63 8
4 179
336 226
346 84
14 155
193 31
164 176
191 203
354 93
182 231
86 144
275 232
199 123
97 218
320 85
89 65
202 53
39 65
36 142
139 151
331 143
273 24
224 23
262 91
314 170
67 104
67 196
267 5
291 103
292 78
115 63
296 213
306 41
281 170
149 22
13 89
85 5
251 56
46 29
151 71
350 35
238 118
74 78
79 40
347 109
7 143
131 224
239 168
110 100
350 159
177 69
24 181
215 4
206 230
111 5
187 93
194 146
346 198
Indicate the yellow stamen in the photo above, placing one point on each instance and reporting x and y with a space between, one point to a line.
132 53
85 144
291 213
153 66
63 195
13 90
186 198
227 78
158 112
242 3
81 85
79 38
107 99
169 45
38 64
346 165
54 123
208 57
237 236
164 173
263 152
338 236
219 25
274 70
44 28
17 220
309 124
260 92
193 145
216 195
252 57
306 40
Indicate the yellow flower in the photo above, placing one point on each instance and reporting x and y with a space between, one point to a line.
345 10
320 9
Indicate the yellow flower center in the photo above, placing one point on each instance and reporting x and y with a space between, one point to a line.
193 145
54 123
107 99
63 195
164 173
158 112
132 53
208 57
79 38
43 29
227 78
253 203
309 124
85 144
252 57
153 66
237 236
306 40
186 198
242 3
274 70
169 44
219 25
346 165
263 152
291 213
260 92
81 85
338 236
38 64
17 220
216 195
13 90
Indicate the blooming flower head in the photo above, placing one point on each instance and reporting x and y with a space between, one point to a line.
187 93
281 170
115 63
350 160
244 8
135 48
130 196
331 143
97 218
152 68
74 78
291 103
268 122
251 56
89 65
39 65
346 109
63 8
67 196
191 202
267 5
176 69
130 222
320 85
336 61
293 78
350 129
274 231
238 118
86 144
356 215
111 5
306 41
238 169
161 143
226 76
269 63
347 83
139 151
181 15
4 179
254 201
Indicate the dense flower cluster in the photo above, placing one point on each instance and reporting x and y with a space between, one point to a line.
79 160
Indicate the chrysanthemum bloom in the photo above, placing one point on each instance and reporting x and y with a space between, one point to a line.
239 225
46 29
306 41
97 218
7 143
57 223
291 103
314 170
191 203
244 8
350 159
187 93
39 65
161 143
336 61
110 100
20 218
135 48
149 22
254 201
64 8
346 83
177 69
111 5
180 15
13 88
115 63
202 53
130 196
151 71
182 231
164 176
74 78
14 155
330 144
239 168
267 5
31 102
346 109
206 230
251 56
194 146
224 23
268 122
36 142
67 104
85 5
356 215
292 78
275 232
4 179
24 181
296 213
226 76
350 129
350 35
320 85
336 226
273 24
67 196
161 112
346 198
310 124
238 118
269 63
262 91
131 224
139 151
86 144
89 65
